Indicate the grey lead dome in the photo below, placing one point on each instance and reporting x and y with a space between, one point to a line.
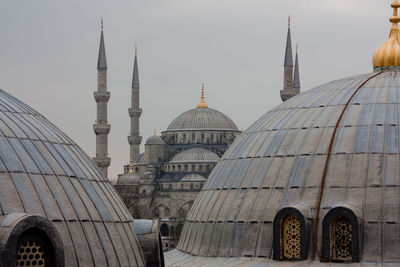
278 164
48 183
202 119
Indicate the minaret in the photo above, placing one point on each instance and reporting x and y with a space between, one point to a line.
296 77
288 91
101 128
134 139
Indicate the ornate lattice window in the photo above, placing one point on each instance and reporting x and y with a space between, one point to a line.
290 238
289 235
341 240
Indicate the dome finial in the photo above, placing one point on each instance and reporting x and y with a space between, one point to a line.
288 21
155 132
131 166
202 103
101 24
388 54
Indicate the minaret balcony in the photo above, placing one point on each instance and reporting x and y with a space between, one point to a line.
286 94
135 113
101 96
102 162
134 140
101 128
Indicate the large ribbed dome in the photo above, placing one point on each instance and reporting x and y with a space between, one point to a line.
52 196
202 119
275 170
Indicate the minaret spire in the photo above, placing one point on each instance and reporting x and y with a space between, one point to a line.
288 91
101 128
296 77
134 139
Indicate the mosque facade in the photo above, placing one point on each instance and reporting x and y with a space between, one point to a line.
162 182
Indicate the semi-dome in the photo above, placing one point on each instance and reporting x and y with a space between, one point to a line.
56 209
195 155
325 161
154 140
202 119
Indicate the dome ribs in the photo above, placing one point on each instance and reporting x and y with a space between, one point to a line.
322 186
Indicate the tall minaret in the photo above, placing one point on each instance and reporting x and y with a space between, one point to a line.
296 77
134 139
288 91
101 128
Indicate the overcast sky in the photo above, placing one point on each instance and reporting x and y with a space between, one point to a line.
48 56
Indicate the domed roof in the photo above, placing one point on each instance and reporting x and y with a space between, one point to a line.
195 155
343 135
193 177
128 179
155 140
202 119
50 186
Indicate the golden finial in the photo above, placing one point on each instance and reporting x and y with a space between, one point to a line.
388 54
135 49
202 103
101 24
297 48
131 166
288 21
155 132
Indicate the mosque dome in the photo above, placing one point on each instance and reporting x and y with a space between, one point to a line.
333 149
154 140
195 155
203 119
56 208
128 179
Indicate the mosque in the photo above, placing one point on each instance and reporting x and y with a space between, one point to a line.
162 182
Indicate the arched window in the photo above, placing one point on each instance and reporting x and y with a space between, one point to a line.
164 230
340 236
186 167
193 138
290 235
179 168
202 138
212 138
181 185
173 167
184 138
191 185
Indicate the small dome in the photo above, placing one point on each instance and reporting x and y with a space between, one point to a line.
193 177
202 119
154 140
388 54
128 179
195 155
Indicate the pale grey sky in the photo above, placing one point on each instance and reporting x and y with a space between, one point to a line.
48 56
